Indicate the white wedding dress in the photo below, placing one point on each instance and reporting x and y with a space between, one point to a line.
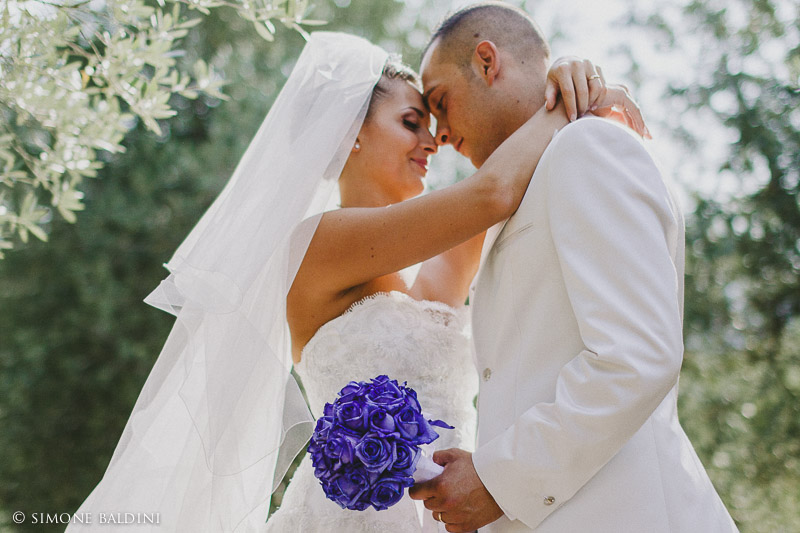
424 343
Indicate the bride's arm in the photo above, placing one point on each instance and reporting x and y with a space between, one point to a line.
352 246
447 277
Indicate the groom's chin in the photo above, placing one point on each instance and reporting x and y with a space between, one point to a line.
478 162
485 148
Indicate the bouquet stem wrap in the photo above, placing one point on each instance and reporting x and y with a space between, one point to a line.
426 470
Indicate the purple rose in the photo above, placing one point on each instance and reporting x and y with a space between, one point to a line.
407 457
386 393
411 398
323 467
375 453
332 491
323 428
381 422
315 450
413 426
326 474
352 415
340 448
388 491
353 390
361 503
348 489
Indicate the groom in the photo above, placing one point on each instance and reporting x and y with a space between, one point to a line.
577 314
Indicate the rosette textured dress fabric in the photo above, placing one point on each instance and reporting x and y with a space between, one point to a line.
424 343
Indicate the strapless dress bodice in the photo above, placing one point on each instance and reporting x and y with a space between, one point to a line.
424 343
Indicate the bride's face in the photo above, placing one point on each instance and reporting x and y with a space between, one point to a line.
395 143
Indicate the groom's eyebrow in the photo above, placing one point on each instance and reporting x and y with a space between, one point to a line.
425 97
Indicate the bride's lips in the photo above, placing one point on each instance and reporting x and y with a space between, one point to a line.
423 164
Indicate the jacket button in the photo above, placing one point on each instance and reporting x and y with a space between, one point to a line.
549 500
487 374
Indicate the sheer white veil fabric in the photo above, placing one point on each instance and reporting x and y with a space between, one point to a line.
220 417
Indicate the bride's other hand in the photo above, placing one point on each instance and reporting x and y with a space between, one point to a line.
578 81
583 89
618 104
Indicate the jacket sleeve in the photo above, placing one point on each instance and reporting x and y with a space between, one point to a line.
613 228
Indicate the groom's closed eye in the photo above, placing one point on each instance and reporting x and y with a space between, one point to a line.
437 104
426 98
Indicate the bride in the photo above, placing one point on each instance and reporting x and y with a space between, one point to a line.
220 417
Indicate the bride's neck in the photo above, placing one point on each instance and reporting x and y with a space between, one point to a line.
356 193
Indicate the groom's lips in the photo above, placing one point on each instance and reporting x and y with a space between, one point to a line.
458 145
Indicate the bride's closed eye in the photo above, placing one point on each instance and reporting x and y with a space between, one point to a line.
411 124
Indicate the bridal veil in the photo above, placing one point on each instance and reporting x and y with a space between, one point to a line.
220 417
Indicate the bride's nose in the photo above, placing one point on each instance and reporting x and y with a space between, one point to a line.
428 143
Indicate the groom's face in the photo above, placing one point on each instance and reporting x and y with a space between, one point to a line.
462 104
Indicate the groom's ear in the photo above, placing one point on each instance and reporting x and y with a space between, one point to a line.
486 60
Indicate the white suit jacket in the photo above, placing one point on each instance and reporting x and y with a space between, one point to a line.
577 322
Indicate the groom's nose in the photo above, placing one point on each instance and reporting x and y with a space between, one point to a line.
442 132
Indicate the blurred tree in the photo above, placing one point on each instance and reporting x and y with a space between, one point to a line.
77 341
77 76
740 386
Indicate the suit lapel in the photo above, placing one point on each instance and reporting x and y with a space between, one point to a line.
488 241
491 237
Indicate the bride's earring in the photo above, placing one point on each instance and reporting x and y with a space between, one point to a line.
357 146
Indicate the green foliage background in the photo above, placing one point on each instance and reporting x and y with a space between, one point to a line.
76 341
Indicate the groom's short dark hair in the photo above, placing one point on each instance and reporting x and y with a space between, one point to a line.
506 26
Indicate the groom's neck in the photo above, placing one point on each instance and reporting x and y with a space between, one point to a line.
525 98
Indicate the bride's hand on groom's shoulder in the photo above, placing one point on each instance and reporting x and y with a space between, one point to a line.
583 89
457 497
578 82
619 105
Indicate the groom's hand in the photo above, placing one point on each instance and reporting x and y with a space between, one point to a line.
457 497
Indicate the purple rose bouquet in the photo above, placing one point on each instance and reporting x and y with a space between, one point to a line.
366 448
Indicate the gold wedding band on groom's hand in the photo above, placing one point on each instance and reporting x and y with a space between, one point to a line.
438 518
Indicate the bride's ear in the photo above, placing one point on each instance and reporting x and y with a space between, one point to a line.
356 146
